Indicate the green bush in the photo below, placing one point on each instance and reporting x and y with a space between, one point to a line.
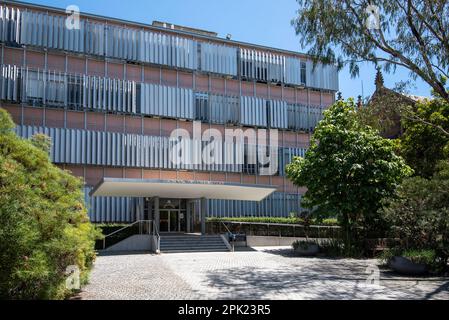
337 248
275 220
302 244
44 227
419 214
428 257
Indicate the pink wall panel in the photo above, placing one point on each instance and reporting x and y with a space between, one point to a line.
133 125
202 83
33 116
152 75
169 78
115 70
35 60
218 85
232 87
133 72
276 92
302 96
114 123
76 65
315 98
54 118
95 68
262 90
75 120
56 62
151 126
95 121
185 80
13 56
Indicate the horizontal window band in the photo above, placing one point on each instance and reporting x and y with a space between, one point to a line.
109 95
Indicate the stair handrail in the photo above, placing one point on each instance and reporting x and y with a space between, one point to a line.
124 228
230 233
158 237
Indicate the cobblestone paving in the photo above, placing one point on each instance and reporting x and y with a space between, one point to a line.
265 273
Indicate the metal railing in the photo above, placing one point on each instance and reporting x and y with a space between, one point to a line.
229 233
157 237
277 229
144 227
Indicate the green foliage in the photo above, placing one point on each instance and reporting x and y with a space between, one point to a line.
337 248
42 142
420 212
411 34
301 244
422 144
44 226
428 257
348 170
274 220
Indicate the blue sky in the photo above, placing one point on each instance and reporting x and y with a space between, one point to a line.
264 22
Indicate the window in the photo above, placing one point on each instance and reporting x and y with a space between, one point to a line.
75 92
34 93
202 107
303 73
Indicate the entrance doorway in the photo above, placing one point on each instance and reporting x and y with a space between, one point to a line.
172 220
175 215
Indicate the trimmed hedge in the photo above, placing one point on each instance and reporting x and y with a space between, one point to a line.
274 220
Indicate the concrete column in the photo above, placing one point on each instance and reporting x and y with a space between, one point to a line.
203 215
157 215
189 216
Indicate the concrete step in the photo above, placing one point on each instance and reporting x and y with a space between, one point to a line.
194 250
188 243
193 241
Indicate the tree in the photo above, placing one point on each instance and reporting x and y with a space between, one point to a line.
44 226
423 145
413 34
419 213
348 170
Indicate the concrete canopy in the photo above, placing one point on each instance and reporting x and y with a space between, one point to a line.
116 187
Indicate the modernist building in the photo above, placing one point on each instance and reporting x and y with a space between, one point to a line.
110 92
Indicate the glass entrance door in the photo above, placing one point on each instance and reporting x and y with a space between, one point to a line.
172 221
164 221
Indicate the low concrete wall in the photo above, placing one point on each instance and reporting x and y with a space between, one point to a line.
265 241
133 243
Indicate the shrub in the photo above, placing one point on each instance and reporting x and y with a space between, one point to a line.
301 244
44 226
336 248
274 220
420 213
428 257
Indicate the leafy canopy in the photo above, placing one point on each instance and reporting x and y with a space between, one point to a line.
424 143
412 34
349 168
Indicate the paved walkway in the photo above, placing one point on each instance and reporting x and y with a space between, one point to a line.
265 273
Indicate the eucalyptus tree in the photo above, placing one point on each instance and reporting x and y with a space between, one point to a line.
413 34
